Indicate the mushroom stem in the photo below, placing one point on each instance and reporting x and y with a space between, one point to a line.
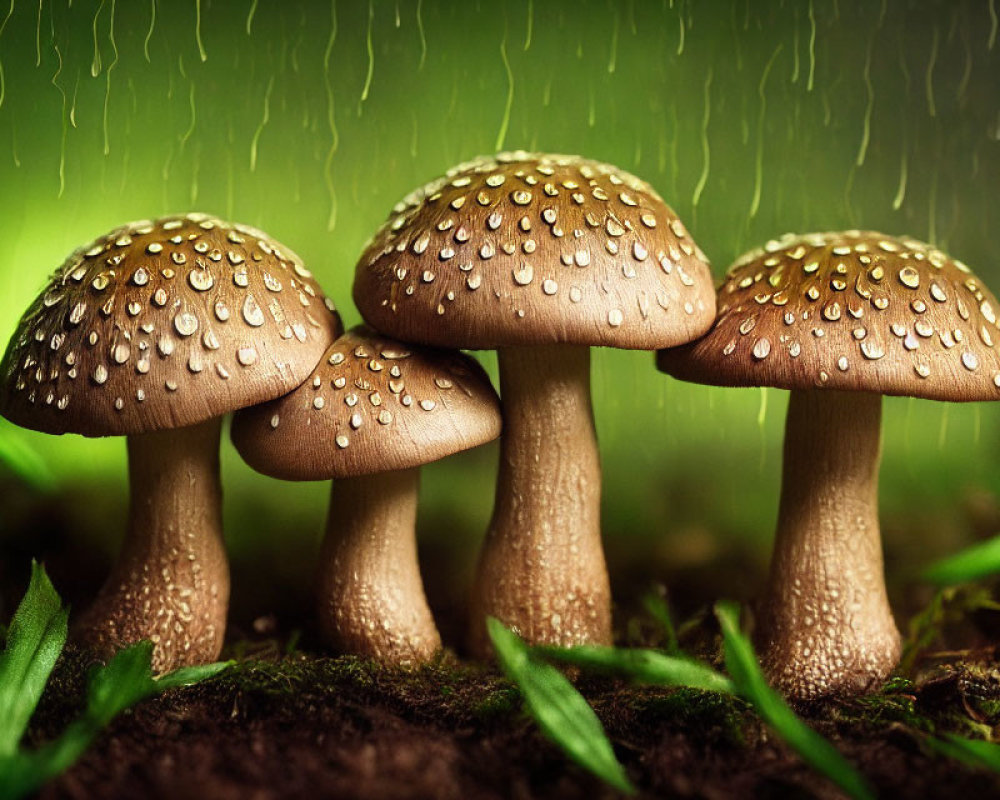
171 581
371 597
826 627
541 569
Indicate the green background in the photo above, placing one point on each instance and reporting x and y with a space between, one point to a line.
310 120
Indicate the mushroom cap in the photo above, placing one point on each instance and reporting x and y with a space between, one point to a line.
858 311
165 324
371 405
527 248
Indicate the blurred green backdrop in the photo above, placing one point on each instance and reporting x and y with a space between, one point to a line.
310 119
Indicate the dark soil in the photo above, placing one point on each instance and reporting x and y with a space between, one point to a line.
288 721
297 725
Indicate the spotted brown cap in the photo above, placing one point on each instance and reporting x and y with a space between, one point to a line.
522 248
371 405
853 311
165 324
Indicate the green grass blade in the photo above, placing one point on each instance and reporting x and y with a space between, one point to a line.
751 684
559 709
979 561
35 639
23 461
659 610
24 772
126 680
971 752
188 676
642 666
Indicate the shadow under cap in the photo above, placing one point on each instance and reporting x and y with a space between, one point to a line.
856 311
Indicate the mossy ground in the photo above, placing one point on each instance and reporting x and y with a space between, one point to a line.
288 722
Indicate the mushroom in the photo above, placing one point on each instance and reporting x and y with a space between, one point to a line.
372 412
155 331
541 257
840 319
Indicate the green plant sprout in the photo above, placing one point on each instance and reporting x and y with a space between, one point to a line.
559 709
741 661
35 639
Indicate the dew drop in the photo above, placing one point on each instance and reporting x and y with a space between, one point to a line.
185 323
252 313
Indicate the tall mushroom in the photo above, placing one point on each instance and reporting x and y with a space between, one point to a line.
840 319
155 331
373 411
541 257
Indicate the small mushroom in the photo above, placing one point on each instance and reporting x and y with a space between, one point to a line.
541 257
840 319
373 411
155 331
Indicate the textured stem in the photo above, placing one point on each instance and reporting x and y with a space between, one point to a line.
371 598
171 581
542 567
826 626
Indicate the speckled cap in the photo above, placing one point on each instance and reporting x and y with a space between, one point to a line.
165 324
526 248
371 405
853 311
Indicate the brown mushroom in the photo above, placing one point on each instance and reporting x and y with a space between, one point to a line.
840 319
541 257
155 331
373 411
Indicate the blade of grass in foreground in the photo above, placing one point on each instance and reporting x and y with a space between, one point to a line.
34 640
979 561
642 666
126 680
751 684
558 708
971 752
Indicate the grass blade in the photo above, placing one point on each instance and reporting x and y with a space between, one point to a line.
979 561
658 609
126 680
642 666
559 709
35 639
751 684
971 752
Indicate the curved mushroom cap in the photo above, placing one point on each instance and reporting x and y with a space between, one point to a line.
165 324
522 249
851 311
371 405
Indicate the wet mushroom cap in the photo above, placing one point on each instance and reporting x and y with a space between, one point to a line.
165 324
521 249
372 405
858 311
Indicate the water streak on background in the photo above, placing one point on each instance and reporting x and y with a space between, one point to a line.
761 116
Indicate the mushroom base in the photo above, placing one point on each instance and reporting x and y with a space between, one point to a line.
825 623
371 598
542 569
171 581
